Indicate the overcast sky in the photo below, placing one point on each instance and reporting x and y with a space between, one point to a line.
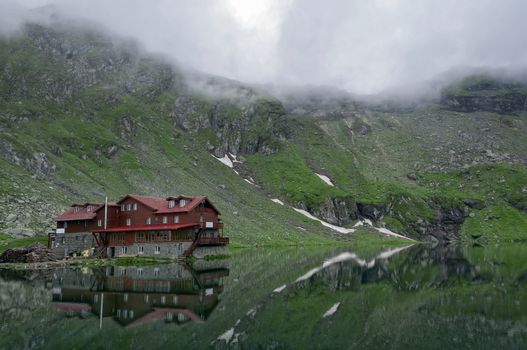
361 46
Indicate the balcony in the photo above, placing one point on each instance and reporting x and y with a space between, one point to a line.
213 241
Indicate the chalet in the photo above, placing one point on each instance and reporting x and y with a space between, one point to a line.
139 226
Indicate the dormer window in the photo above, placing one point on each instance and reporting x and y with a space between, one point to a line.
90 207
123 207
76 209
129 207
171 203
135 206
182 202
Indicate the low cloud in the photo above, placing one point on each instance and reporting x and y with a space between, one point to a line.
359 46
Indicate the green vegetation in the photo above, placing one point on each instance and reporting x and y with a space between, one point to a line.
7 242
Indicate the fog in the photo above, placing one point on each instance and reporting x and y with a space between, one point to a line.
362 47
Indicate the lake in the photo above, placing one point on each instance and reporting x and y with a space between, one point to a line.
420 296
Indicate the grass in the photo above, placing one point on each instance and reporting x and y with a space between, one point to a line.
6 242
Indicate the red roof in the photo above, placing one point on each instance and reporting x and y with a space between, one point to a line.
158 314
70 215
148 227
160 205
152 202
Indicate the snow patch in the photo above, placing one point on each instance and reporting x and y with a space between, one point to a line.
331 310
326 179
327 224
249 181
251 312
234 158
382 230
225 160
390 233
227 336
276 200
279 289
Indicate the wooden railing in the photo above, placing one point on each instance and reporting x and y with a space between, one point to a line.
213 240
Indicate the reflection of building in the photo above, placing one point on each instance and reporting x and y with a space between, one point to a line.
137 295
139 225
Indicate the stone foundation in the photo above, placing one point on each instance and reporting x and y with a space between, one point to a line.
72 243
201 252
167 250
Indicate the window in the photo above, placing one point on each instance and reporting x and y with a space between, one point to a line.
135 206
146 298
128 222
163 299
139 236
125 297
165 219
209 224
171 203
122 271
131 314
129 207
149 221
65 224
121 236
176 219
174 299
99 222
124 250
169 316
158 249
63 240
140 272
140 250
76 209
182 202
156 271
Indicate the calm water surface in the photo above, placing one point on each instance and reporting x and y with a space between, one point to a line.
410 297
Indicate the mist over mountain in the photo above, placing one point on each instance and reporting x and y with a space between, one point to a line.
361 47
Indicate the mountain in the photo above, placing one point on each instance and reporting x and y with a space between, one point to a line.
84 115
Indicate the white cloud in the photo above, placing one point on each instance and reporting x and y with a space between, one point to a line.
361 46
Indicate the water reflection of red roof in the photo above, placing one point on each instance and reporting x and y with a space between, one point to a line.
159 314
149 227
71 307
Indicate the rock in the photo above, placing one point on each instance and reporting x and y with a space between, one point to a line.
412 176
112 150
472 215
32 254
41 163
336 211
11 217
474 204
21 232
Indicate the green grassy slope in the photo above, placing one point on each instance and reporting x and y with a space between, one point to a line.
83 116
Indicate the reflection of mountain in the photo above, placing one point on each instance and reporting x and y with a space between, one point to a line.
137 295
420 266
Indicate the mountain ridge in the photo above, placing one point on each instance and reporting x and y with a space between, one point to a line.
91 116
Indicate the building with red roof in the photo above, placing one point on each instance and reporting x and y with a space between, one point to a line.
139 226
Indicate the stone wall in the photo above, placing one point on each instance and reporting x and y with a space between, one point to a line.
168 249
72 243
201 252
